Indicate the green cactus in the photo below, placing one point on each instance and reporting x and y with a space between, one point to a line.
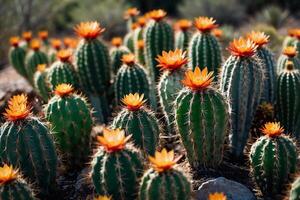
116 167
116 54
130 16
296 44
242 83
202 119
71 121
55 47
129 41
204 48
41 83
288 99
139 121
295 190
139 43
273 159
16 56
182 35
288 54
27 37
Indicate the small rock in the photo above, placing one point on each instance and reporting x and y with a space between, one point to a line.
233 190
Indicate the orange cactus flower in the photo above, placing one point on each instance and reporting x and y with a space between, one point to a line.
133 101
134 26
218 33
103 198
217 196
198 80
35 44
242 47
141 21
163 160
290 51
17 108
89 30
7 174
63 89
140 44
113 140
43 35
27 36
41 67
272 129
56 43
131 12
64 55
292 32
128 59
156 15
70 42
259 38
183 24
14 41
172 60
297 33
205 24
116 41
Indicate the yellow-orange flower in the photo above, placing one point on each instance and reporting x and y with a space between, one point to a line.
27 35
14 41
70 42
172 60
17 108
163 160
272 129
292 32
56 43
142 21
131 12
41 67
116 41
89 30
217 196
102 198
297 33
140 44
242 47
128 59
205 24
43 35
156 15
259 38
113 140
35 44
183 24
290 51
133 101
198 80
64 55
218 33
63 89
7 174
134 26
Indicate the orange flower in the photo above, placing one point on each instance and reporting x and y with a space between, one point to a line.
242 47
142 21
14 41
89 30
27 35
63 89
56 43
113 140
217 196
183 24
70 42
41 67
156 15
218 33
292 31
64 55
133 101
128 59
116 41
290 51
198 80
297 33
7 174
102 198
205 24
35 44
43 35
140 44
17 108
259 38
134 26
131 12
172 60
163 160
272 129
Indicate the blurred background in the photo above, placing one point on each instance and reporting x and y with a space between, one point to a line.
59 16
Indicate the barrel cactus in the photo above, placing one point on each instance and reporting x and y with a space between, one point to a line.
27 37
273 159
290 38
27 143
116 53
139 121
204 49
117 166
138 38
44 37
130 16
295 190
202 119
41 84
71 120
13 186
56 45
242 83
129 38
162 181
289 53
182 34
16 56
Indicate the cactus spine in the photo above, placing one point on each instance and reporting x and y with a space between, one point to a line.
295 190
41 82
71 120
26 142
163 182
288 54
117 166
158 37
273 159
139 121
202 119
182 35
242 83
16 56
204 48
116 54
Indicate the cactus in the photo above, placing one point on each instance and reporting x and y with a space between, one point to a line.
288 99
93 65
71 120
202 119
138 38
62 71
12 186
116 54
204 49
130 16
182 35
56 46
26 142
296 43
295 190
289 40
267 62
158 36
129 38
217 196
138 121
33 59
44 35
273 159
117 166
172 63
162 181
41 83
27 36
288 54
16 56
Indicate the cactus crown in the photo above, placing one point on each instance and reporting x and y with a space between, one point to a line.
14 41
289 66
116 41
205 24
217 196
27 35
217 32
198 80
156 15
102 198
163 160
290 51
140 44
172 60
242 47
141 21
183 24
43 35
272 129
113 140
64 55
7 174
35 45
17 108
292 32
56 43
128 59
259 38
131 12
133 101
64 89
89 30
41 67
